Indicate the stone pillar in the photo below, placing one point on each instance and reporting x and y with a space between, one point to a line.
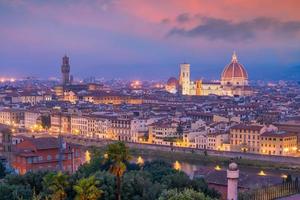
232 184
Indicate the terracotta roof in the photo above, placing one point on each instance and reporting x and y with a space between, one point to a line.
44 142
277 134
234 70
247 127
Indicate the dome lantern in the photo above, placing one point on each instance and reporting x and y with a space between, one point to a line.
234 57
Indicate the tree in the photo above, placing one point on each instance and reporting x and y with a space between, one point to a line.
158 169
31 179
15 192
186 194
179 129
2 170
289 179
97 162
55 185
199 184
107 184
177 180
46 121
118 155
86 189
138 185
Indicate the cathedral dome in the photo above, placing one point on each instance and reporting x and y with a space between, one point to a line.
172 85
172 81
234 73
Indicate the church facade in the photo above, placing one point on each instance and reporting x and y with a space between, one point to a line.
233 82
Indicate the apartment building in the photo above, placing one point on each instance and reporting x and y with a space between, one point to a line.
34 154
245 138
278 143
31 118
163 132
90 126
60 123
12 116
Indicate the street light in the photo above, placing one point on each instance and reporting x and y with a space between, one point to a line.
140 161
177 165
218 168
262 173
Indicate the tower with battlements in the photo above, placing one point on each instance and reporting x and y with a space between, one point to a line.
65 70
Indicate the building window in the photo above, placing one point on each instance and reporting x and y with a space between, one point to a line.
40 158
49 157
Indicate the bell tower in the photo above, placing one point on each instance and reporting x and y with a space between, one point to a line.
184 78
65 70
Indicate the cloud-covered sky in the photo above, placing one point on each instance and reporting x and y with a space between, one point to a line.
147 39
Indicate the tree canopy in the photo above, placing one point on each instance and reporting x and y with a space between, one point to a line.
97 180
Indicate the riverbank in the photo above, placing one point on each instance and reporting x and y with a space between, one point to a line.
209 160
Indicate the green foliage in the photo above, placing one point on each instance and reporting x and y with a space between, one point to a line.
199 184
55 185
15 192
107 184
158 169
46 121
31 180
118 155
86 189
177 180
186 194
112 176
138 185
2 170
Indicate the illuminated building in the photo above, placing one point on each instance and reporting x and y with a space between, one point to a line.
245 138
278 143
215 141
184 78
30 118
111 98
11 116
35 154
34 98
234 74
90 126
234 81
65 70
172 85
262 139
60 123
5 141
163 132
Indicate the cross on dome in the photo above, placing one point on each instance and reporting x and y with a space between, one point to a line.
234 57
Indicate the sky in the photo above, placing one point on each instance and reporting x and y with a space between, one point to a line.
148 39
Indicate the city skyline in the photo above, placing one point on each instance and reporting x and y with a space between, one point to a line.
148 40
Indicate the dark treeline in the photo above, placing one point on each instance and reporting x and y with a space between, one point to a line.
108 176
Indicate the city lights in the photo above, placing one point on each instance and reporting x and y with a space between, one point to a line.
262 173
177 165
140 160
144 99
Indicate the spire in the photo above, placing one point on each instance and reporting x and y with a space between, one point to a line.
234 57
